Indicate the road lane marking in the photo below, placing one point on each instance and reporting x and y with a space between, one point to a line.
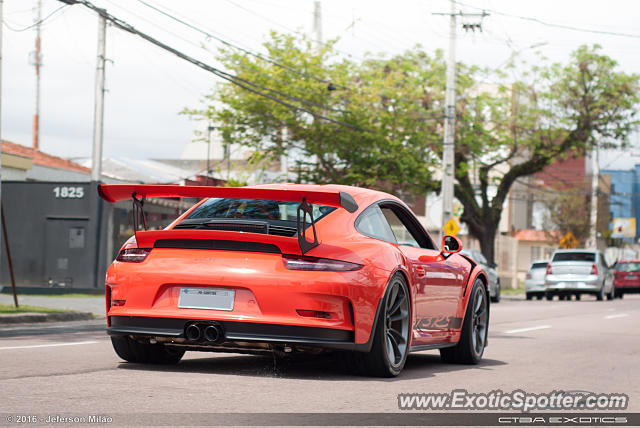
522 330
610 317
48 345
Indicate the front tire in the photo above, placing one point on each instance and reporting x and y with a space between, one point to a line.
610 294
391 341
496 298
475 328
135 352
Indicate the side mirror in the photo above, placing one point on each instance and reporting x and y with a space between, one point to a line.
494 265
451 244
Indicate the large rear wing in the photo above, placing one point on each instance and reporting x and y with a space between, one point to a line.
139 192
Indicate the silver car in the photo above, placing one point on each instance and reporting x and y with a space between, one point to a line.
534 282
576 272
494 279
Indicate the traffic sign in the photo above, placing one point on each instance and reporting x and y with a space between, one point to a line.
451 227
569 241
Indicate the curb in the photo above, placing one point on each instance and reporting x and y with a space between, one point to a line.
30 317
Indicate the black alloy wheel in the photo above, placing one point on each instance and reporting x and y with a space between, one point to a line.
473 337
396 323
391 334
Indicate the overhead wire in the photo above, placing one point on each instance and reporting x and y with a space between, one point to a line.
240 82
235 46
35 24
550 24
252 69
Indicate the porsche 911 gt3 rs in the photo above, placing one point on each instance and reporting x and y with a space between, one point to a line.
286 267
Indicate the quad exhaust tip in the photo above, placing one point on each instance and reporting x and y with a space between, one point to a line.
204 333
212 333
193 332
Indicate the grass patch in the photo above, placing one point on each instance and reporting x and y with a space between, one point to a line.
509 291
10 309
82 295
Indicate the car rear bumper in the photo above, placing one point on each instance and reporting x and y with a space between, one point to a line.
586 283
265 293
586 288
171 331
534 286
627 288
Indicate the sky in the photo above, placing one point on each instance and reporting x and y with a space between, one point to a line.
147 87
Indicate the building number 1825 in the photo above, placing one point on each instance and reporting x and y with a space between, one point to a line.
66 192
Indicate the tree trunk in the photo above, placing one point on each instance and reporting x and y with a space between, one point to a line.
483 228
487 245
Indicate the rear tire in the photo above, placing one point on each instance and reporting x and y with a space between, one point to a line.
529 296
548 296
540 296
135 352
610 294
600 294
473 337
391 341
578 296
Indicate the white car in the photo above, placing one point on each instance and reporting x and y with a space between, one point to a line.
534 282
576 272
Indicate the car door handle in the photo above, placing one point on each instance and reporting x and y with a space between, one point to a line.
420 271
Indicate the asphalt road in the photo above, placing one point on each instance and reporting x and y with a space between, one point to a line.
537 346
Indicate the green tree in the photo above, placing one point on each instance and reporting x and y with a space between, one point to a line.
517 129
385 114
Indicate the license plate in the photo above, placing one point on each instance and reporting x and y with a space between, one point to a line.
219 299
630 277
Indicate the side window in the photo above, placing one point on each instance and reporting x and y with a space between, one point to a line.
400 231
372 223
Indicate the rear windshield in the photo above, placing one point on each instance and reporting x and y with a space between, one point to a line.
628 267
254 209
574 257
541 265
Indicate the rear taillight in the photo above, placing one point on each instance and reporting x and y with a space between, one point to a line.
314 263
549 272
528 275
133 255
594 269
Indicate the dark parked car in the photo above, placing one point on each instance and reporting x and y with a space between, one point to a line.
494 279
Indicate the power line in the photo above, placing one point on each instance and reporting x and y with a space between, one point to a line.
550 24
243 83
234 46
35 24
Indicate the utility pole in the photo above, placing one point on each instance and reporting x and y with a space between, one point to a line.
210 129
37 62
448 145
317 23
448 148
98 116
592 242
3 221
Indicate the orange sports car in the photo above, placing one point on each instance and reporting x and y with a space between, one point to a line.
292 268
